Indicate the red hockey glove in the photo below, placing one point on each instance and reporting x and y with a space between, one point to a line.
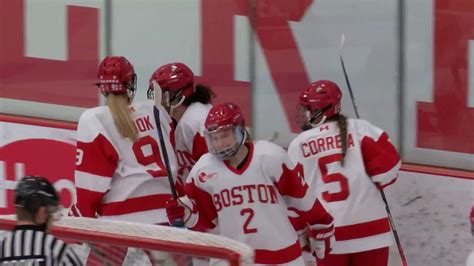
320 237
174 211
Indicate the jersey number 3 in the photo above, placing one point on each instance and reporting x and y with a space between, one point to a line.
148 145
333 178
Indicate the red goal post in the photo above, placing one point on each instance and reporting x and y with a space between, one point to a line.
147 237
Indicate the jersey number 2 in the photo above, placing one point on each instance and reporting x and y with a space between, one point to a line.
249 213
333 178
153 155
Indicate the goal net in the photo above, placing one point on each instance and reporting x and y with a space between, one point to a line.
104 242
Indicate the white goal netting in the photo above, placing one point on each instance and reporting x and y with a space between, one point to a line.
104 242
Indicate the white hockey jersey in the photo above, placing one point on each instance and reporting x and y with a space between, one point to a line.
250 204
116 178
350 192
189 137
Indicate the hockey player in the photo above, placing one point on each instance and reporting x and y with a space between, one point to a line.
188 104
245 188
120 174
37 207
348 161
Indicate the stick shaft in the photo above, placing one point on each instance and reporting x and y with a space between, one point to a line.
389 213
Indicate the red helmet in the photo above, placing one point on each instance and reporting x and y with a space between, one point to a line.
321 99
116 75
225 117
176 79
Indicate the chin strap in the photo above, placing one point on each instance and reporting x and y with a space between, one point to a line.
323 119
172 107
311 118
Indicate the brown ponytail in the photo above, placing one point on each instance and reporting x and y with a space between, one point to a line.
122 114
203 94
342 124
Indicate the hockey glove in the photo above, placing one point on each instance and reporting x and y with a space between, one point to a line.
320 237
174 211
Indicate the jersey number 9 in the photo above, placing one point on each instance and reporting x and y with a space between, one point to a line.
153 156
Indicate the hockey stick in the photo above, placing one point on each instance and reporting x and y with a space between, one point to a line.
390 219
177 222
343 40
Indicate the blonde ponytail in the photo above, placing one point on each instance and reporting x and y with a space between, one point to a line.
122 114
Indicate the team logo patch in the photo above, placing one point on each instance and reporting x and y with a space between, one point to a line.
203 177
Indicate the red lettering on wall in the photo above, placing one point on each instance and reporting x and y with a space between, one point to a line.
60 82
448 123
275 37
50 158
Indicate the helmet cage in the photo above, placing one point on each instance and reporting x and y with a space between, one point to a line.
132 88
167 99
240 135
306 119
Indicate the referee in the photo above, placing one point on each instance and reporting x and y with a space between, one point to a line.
37 206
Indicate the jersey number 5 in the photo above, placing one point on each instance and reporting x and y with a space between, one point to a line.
148 145
333 178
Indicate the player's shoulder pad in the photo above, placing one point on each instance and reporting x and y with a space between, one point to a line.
303 135
205 163
294 144
268 149
148 107
206 160
93 113
147 103
91 123
195 115
364 128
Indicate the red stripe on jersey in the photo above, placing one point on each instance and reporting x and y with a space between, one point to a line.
291 182
88 202
318 214
298 222
379 156
280 256
361 230
203 207
145 203
179 187
199 147
99 157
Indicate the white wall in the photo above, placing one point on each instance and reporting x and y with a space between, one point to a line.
154 32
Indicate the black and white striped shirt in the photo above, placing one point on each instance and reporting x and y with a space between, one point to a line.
30 245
